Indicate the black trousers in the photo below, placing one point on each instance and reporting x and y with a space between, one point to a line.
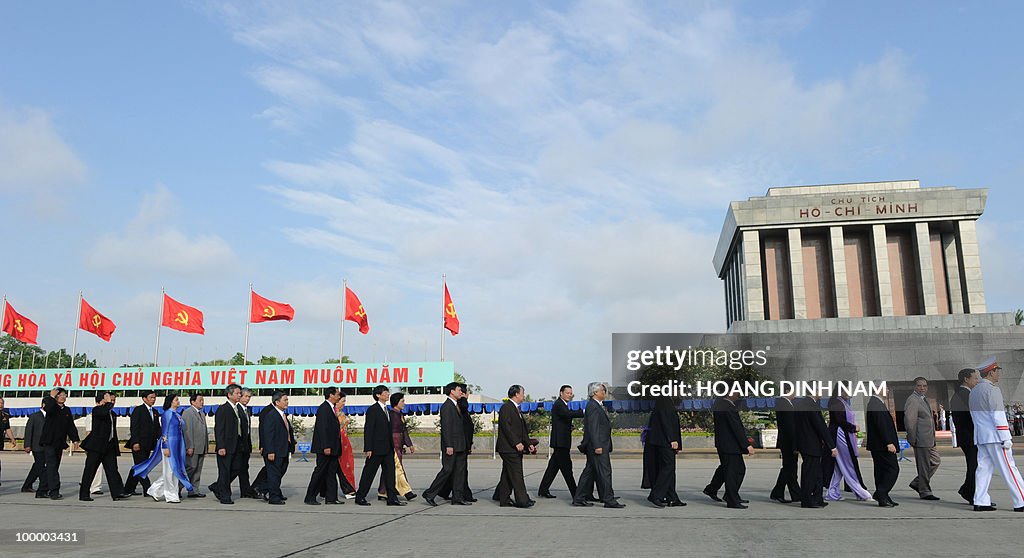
274 471
967 488
93 460
787 478
243 473
37 472
386 463
452 475
598 470
810 481
664 486
733 471
133 481
52 456
560 462
511 480
324 479
259 484
717 478
887 470
229 466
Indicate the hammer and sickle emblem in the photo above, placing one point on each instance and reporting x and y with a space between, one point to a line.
18 327
268 312
96 321
182 318
450 309
361 313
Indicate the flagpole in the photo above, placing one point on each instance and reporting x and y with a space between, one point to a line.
159 324
443 285
248 320
74 341
344 310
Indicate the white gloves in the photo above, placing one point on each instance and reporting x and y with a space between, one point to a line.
1008 444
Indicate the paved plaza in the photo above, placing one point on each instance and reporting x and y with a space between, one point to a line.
203 527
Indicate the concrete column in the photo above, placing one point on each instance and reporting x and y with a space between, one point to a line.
956 297
880 249
970 261
796 274
923 247
753 292
838 249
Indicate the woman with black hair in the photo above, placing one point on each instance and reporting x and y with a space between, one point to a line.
170 451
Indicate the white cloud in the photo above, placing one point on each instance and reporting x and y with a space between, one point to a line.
34 160
150 243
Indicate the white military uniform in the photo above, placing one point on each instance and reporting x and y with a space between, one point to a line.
992 435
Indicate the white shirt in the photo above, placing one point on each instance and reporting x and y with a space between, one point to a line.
990 424
383 408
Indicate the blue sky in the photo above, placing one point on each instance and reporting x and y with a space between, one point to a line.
568 165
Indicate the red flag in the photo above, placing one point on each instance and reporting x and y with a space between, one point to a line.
181 317
451 319
92 321
266 310
18 326
354 311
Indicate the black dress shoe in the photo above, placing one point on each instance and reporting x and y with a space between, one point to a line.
119 498
470 499
334 502
252 494
396 503
1020 509
676 503
712 495
614 504
362 502
97 493
85 498
41 495
125 495
582 504
56 496
782 500
311 502
930 497
29 490
812 506
276 502
227 501
196 495
657 503
410 496
737 506
744 501
984 508
886 504
430 501
546 495
461 503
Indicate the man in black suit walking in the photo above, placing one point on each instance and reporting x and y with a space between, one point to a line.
245 453
58 427
785 417
145 431
276 445
33 433
453 458
731 443
597 444
882 442
229 430
379 447
812 439
513 441
964 425
561 442
101 448
327 447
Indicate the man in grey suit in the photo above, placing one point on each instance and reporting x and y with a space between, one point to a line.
33 431
917 418
597 444
197 440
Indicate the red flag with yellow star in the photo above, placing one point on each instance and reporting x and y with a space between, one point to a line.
266 310
18 326
354 311
92 321
451 318
182 317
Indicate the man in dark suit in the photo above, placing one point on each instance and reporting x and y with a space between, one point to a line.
467 427
327 447
964 425
245 454
276 445
453 457
513 441
882 442
144 433
33 432
58 427
379 447
229 430
785 416
101 448
664 442
812 437
561 442
731 443
597 444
